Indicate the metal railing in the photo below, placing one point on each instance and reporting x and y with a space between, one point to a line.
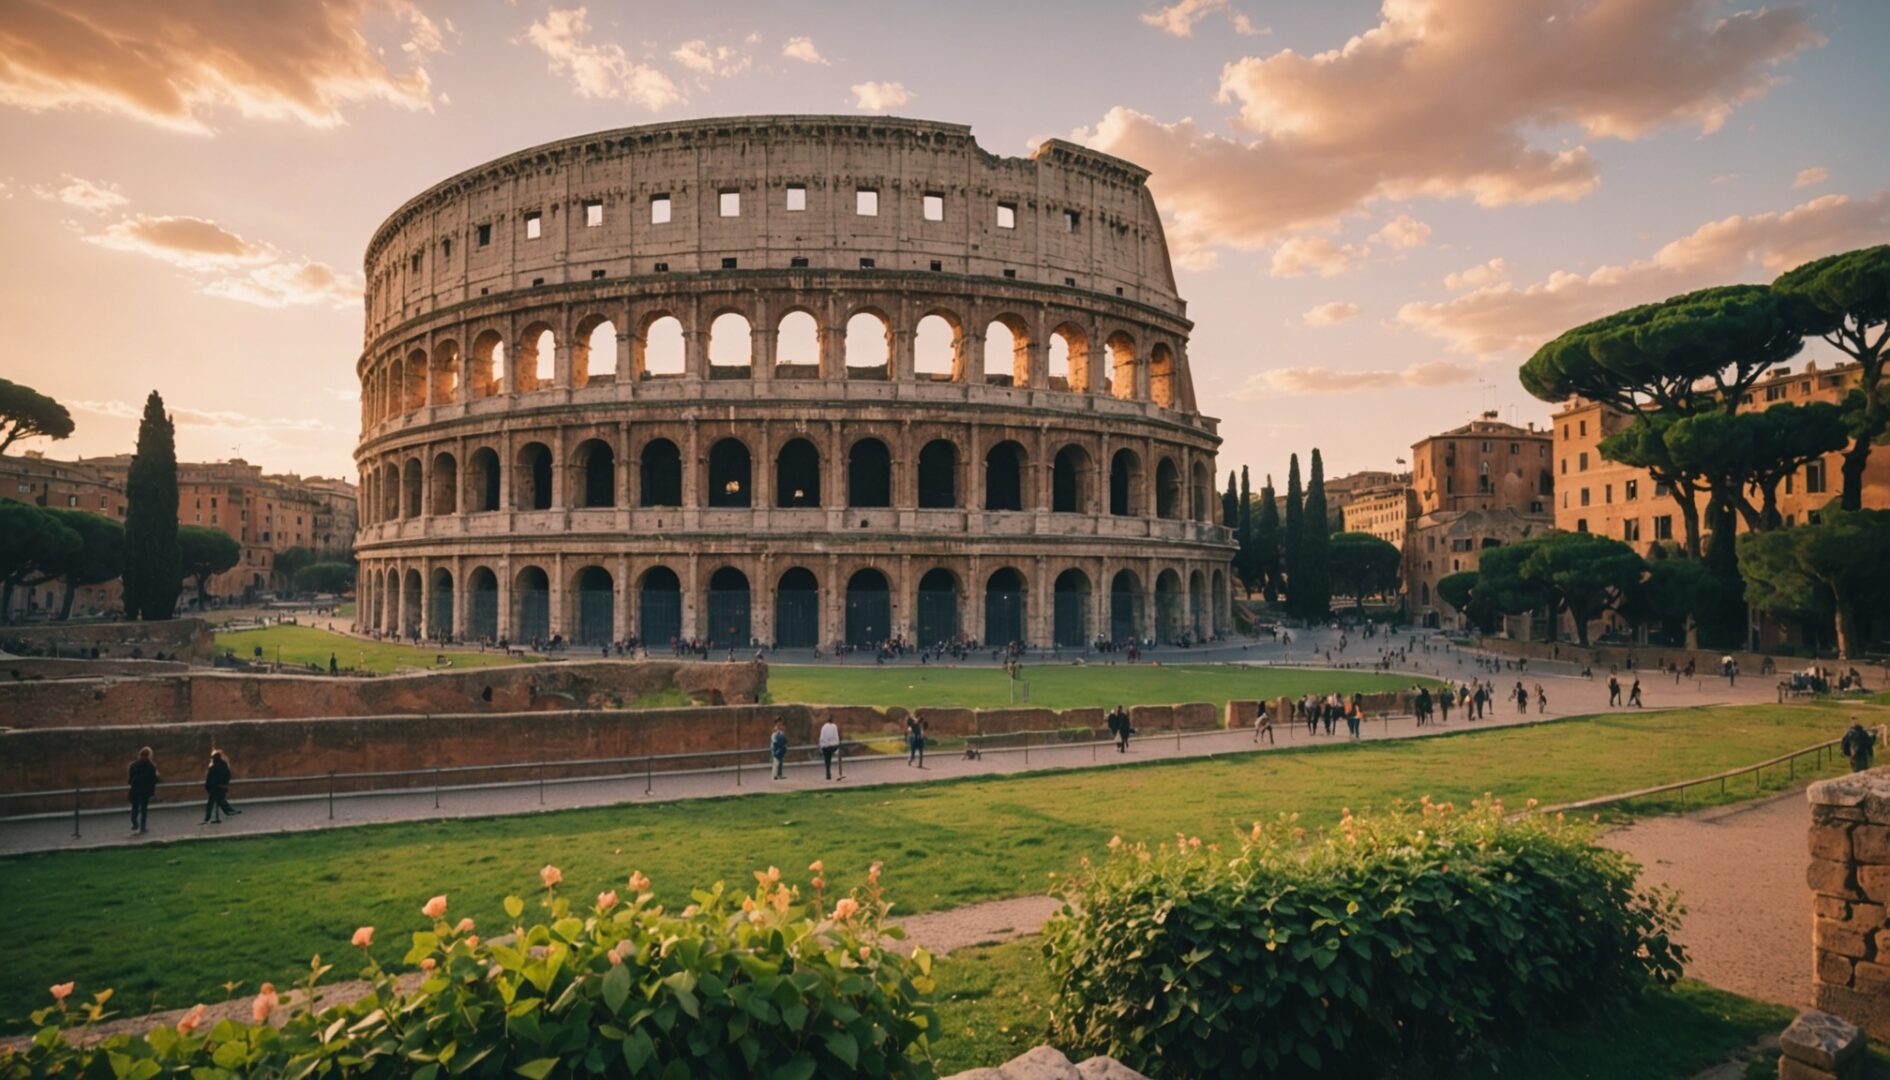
1822 754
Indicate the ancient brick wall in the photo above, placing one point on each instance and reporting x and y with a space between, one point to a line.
1850 882
176 639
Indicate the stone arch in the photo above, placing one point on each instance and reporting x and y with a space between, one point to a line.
868 609
482 604
1007 351
1125 484
1068 360
1125 606
531 477
531 605
410 488
537 353
390 492
443 375
797 609
1161 375
797 347
729 608
658 350
731 346
1121 364
869 345
730 474
1170 608
594 475
445 484
482 480
869 474
1223 620
938 620
413 381
1070 474
440 604
1004 485
1168 489
1201 493
410 593
659 482
1070 610
486 376
797 474
1006 607
938 475
593 617
659 607
1197 606
938 347
594 351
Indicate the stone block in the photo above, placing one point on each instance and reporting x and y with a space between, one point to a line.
1840 938
1832 968
1868 1011
1868 792
1874 883
1102 1068
1883 943
1830 907
1871 844
1821 1040
1829 878
1867 917
1798 1070
1871 977
1832 842
1240 715
1043 1063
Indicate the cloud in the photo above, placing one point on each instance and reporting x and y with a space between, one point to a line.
1323 380
203 418
1327 314
1390 115
1811 177
878 96
721 61
1403 231
1481 274
1178 19
84 195
802 49
228 266
1309 253
174 62
598 71
1501 317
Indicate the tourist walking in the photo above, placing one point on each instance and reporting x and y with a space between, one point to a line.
144 781
1119 727
1263 725
1614 691
1352 717
777 749
1542 700
216 784
1858 744
829 745
1522 699
915 741
1443 703
1634 694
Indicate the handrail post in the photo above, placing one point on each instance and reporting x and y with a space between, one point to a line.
1026 747
840 755
649 772
738 769
75 810
541 783
436 787
331 794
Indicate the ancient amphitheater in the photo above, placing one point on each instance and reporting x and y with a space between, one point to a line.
784 379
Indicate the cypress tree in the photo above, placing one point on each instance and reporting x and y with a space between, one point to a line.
1315 531
1229 508
153 574
1289 548
1266 544
1249 557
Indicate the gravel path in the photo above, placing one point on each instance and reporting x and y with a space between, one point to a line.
1740 871
940 932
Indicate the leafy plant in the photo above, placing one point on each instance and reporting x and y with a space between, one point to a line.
1400 941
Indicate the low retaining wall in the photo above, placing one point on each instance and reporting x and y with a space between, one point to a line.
1705 661
171 639
210 697
25 668
1850 882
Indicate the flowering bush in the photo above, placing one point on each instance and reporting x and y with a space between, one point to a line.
766 983
1397 942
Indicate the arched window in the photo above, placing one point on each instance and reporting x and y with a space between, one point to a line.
445 485
487 377
797 474
1007 352
661 479
660 350
731 482
483 480
482 598
869 609
938 621
1069 481
1202 493
1125 484
938 475
410 488
1170 626
869 474
410 604
537 358
936 344
797 610
1197 606
532 477
531 605
1068 360
594 620
1125 606
797 347
443 379
390 493
659 607
1072 610
1161 376
594 354
1167 489
729 609
1005 604
1121 365
414 381
440 604
869 346
731 347
596 467
1004 477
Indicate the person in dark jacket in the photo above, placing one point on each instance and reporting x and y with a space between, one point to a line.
777 749
1858 744
144 782
216 782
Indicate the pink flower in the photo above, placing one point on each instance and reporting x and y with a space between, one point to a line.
639 883
691 911
190 1021
774 873
472 941
428 964
434 908
816 867
61 991
607 900
264 1004
550 875
820 883
465 926
866 952
363 937
872 875
845 909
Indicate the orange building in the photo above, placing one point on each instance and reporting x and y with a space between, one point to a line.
1384 511
34 478
1475 487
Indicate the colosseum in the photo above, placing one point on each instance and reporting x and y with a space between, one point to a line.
788 381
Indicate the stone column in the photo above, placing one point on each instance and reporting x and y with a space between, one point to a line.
1850 882
902 354
761 346
555 597
504 573
695 353
462 600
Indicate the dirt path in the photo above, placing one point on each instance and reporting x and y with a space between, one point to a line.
940 932
1740 871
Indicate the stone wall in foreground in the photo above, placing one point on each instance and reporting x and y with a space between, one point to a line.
1850 883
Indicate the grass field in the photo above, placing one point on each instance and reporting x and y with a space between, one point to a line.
1059 686
169 924
304 645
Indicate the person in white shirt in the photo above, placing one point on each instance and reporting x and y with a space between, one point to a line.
829 745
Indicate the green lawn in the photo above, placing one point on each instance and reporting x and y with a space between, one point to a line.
170 924
1059 686
303 645
993 1005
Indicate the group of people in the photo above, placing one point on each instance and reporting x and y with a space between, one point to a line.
143 780
1633 694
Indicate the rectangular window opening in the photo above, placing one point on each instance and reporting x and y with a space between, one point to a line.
938 266
934 207
730 203
593 214
728 264
798 262
446 248
485 235
1007 215
534 225
797 196
597 275
662 268
866 264
1072 221
416 262
866 202
1010 273
659 209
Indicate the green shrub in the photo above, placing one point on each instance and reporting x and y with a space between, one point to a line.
762 984
1402 941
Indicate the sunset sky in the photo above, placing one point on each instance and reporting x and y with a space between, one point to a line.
1376 210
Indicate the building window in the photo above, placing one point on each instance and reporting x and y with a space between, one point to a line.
1584 496
1007 215
416 262
728 263
534 225
731 203
1814 478
866 264
1663 527
1072 221
1631 530
866 202
659 209
797 196
1631 490
1582 464
1581 524
593 214
485 235
934 207
1607 493
798 262
1515 448
1564 466
1584 426
446 248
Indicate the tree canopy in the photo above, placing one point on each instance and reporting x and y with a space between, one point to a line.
153 577
1845 299
33 546
1362 564
325 577
1459 590
1841 564
203 553
1578 574
25 413
100 556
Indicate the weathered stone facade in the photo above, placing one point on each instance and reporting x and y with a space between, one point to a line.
520 481
1850 881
